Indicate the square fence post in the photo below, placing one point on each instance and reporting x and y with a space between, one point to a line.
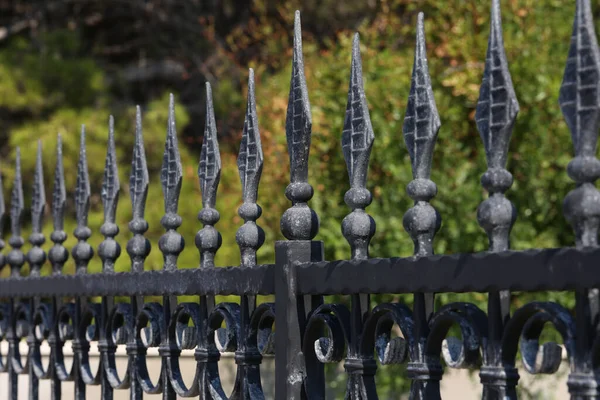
291 314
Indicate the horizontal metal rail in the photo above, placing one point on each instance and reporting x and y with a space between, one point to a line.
196 281
531 270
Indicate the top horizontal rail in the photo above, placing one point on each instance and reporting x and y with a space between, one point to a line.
531 270
548 269
196 281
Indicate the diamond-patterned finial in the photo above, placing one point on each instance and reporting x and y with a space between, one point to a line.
16 259
17 203
422 121
58 254
421 125
109 250
250 237
138 247
497 107
357 140
580 104
38 201
138 181
250 157
59 193
209 168
171 243
496 112
171 172
110 184
580 91
357 136
298 222
82 186
82 251
208 239
298 123
36 256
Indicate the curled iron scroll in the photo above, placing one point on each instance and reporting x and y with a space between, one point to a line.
184 336
42 325
261 335
148 334
220 340
119 329
64 332
88 332
525 328
4 321
20 325
377 335
457 353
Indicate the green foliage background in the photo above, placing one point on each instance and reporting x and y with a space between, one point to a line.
58 89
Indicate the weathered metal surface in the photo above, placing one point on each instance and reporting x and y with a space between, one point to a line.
60 308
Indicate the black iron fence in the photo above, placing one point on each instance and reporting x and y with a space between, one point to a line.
302 330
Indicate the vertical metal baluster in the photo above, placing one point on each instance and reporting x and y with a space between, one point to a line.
82 253
138 247
57 255
171 243
358 227
300 225
15 259
208 239
422 221
109 250
580 104
496 112
36 258
250 237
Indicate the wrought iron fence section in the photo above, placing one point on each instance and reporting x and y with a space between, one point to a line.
299 328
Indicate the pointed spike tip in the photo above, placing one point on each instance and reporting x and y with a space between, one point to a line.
356 42
420 29
171 117
297 34
82 139
250 87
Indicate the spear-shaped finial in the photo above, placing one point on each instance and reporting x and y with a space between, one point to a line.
208 239
110 184
298 222
16 259
138 247
250 237
171 171
357 140
421 125
580 103
58 255
109 250
82 251
496 112
37 256
250 157
171 243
